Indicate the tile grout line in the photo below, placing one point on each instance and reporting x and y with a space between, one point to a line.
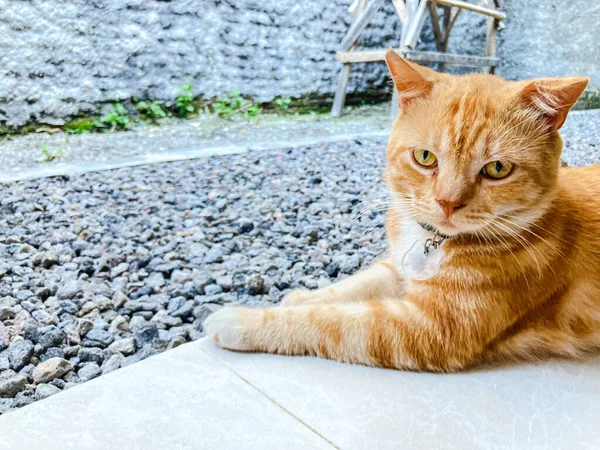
272 400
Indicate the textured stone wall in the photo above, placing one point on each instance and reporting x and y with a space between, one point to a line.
59 58
551 38
63 57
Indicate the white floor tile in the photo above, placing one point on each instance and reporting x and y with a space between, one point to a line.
551 405
181 399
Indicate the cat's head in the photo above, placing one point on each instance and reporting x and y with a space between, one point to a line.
470 151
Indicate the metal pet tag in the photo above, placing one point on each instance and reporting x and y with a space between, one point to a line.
424 258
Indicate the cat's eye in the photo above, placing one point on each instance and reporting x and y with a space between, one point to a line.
424 158
497 170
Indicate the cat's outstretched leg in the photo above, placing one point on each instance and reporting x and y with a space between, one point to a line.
385 333
379 281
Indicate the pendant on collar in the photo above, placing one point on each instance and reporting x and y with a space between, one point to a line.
422 261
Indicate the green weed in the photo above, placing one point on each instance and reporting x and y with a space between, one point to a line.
117 117
148 110
80 125
184 102
51 154
235 104
589 100
283 103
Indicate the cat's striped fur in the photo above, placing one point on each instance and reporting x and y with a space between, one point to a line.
521 277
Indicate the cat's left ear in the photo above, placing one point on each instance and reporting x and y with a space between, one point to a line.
553 97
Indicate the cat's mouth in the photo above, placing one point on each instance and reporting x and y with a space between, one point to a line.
448 224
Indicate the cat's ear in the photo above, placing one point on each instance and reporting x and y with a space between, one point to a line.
411 81
553 97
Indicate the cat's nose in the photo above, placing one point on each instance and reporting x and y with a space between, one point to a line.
449 206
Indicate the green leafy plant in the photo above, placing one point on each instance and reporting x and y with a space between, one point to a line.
51 154
79 125
184 102
283 103
235 104
150 110
315 111
589 100
117 117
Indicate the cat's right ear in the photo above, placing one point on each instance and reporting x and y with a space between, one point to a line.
409 79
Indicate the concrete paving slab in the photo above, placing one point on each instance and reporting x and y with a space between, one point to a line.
200 397
550 405
21 157
181 399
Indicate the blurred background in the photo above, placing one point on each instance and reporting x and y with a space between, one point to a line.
64 59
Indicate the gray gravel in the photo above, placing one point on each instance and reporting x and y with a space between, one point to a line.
101 270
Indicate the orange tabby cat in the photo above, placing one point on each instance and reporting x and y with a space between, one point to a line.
512 269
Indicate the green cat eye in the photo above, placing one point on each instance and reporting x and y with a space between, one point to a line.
497 170
424 157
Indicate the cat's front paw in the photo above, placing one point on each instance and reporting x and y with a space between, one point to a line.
226 327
